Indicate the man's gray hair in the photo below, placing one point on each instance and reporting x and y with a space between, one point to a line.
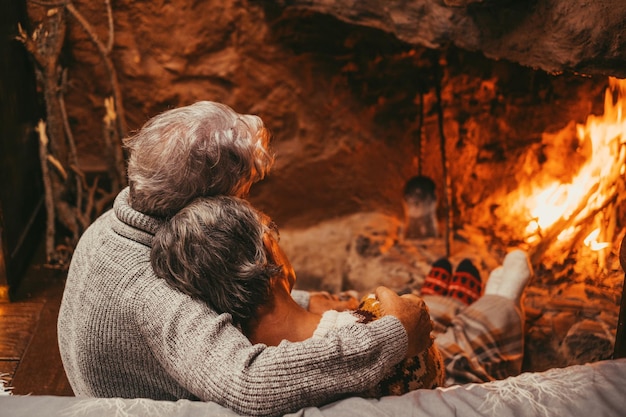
213 250
200 150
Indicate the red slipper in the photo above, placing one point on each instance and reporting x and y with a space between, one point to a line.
465 284
438 279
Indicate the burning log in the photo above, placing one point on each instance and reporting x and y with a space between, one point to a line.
548 241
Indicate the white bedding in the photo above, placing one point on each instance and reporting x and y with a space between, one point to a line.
592 390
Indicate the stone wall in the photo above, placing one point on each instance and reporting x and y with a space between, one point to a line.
551 35
354 110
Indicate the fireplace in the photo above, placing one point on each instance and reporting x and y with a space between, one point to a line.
359 101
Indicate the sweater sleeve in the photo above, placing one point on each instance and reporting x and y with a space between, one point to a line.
208 356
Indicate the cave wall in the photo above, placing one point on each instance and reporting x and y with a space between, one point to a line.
552 35
342 101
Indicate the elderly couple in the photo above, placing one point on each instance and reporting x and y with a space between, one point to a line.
181 291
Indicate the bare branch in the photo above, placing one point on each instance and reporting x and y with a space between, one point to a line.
58 152
49 199
116 165
30 44
111 28
104 53
55 163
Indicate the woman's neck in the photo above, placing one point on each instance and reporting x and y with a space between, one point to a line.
282 319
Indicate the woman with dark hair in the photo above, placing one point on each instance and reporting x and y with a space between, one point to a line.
222 251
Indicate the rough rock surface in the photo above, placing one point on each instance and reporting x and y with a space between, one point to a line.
353 109
553 35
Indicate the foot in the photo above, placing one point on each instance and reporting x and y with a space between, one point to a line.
465 284
438 279
510 279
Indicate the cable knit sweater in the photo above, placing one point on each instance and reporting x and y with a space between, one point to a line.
123 332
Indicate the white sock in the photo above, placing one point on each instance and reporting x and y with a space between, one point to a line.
494 281
510 279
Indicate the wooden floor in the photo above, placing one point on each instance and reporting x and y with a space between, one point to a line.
29 354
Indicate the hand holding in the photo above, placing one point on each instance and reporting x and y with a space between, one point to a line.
412 313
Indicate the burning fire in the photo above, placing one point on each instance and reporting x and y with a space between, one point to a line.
562 209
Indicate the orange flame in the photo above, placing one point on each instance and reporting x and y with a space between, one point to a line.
555 201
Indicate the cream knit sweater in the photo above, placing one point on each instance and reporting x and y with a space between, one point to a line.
123 332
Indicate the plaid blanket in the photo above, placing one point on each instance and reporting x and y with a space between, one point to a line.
481 342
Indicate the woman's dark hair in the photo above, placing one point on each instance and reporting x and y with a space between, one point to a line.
213 250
